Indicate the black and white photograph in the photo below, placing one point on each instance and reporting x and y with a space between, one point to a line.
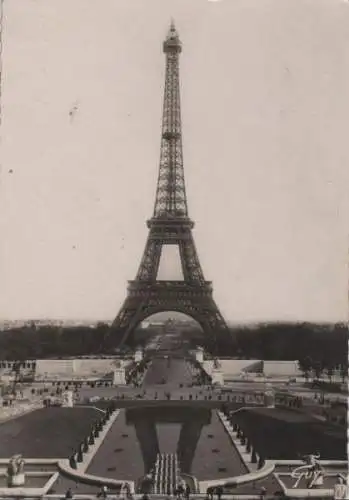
174 253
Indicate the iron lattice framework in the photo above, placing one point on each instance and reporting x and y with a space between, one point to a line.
170 225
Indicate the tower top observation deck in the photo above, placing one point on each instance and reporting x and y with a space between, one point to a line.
172 42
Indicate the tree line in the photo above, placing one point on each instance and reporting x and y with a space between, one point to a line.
317 345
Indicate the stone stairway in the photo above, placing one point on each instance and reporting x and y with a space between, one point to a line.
166 474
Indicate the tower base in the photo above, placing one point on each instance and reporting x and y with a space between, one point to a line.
146 299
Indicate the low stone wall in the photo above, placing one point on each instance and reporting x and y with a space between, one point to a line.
77 368
232 482
281 369
27 492
160 497
245 456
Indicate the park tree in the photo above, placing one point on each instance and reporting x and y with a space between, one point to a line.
72 462
305 364
329 371
344 370
317 369
85 445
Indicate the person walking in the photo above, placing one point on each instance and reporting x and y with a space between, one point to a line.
180 491
219 492
187 492
263 492
209 493
128 493
103 493
125 491
68 494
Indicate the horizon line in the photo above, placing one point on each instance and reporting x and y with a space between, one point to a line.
107 321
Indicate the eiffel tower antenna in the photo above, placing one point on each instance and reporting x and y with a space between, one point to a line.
170 225
170 195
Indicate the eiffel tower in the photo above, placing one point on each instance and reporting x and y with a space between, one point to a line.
170 225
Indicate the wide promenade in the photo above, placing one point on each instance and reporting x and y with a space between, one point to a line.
168 414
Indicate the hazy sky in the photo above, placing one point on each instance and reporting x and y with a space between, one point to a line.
265 107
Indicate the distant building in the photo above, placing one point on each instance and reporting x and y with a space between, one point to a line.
152 324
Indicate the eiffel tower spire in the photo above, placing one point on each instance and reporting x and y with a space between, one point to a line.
170 194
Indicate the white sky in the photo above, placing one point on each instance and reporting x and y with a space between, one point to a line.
265 106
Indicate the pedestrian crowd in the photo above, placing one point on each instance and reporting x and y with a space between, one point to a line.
181 492
212 491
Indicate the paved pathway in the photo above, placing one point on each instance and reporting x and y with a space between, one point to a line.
170 371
